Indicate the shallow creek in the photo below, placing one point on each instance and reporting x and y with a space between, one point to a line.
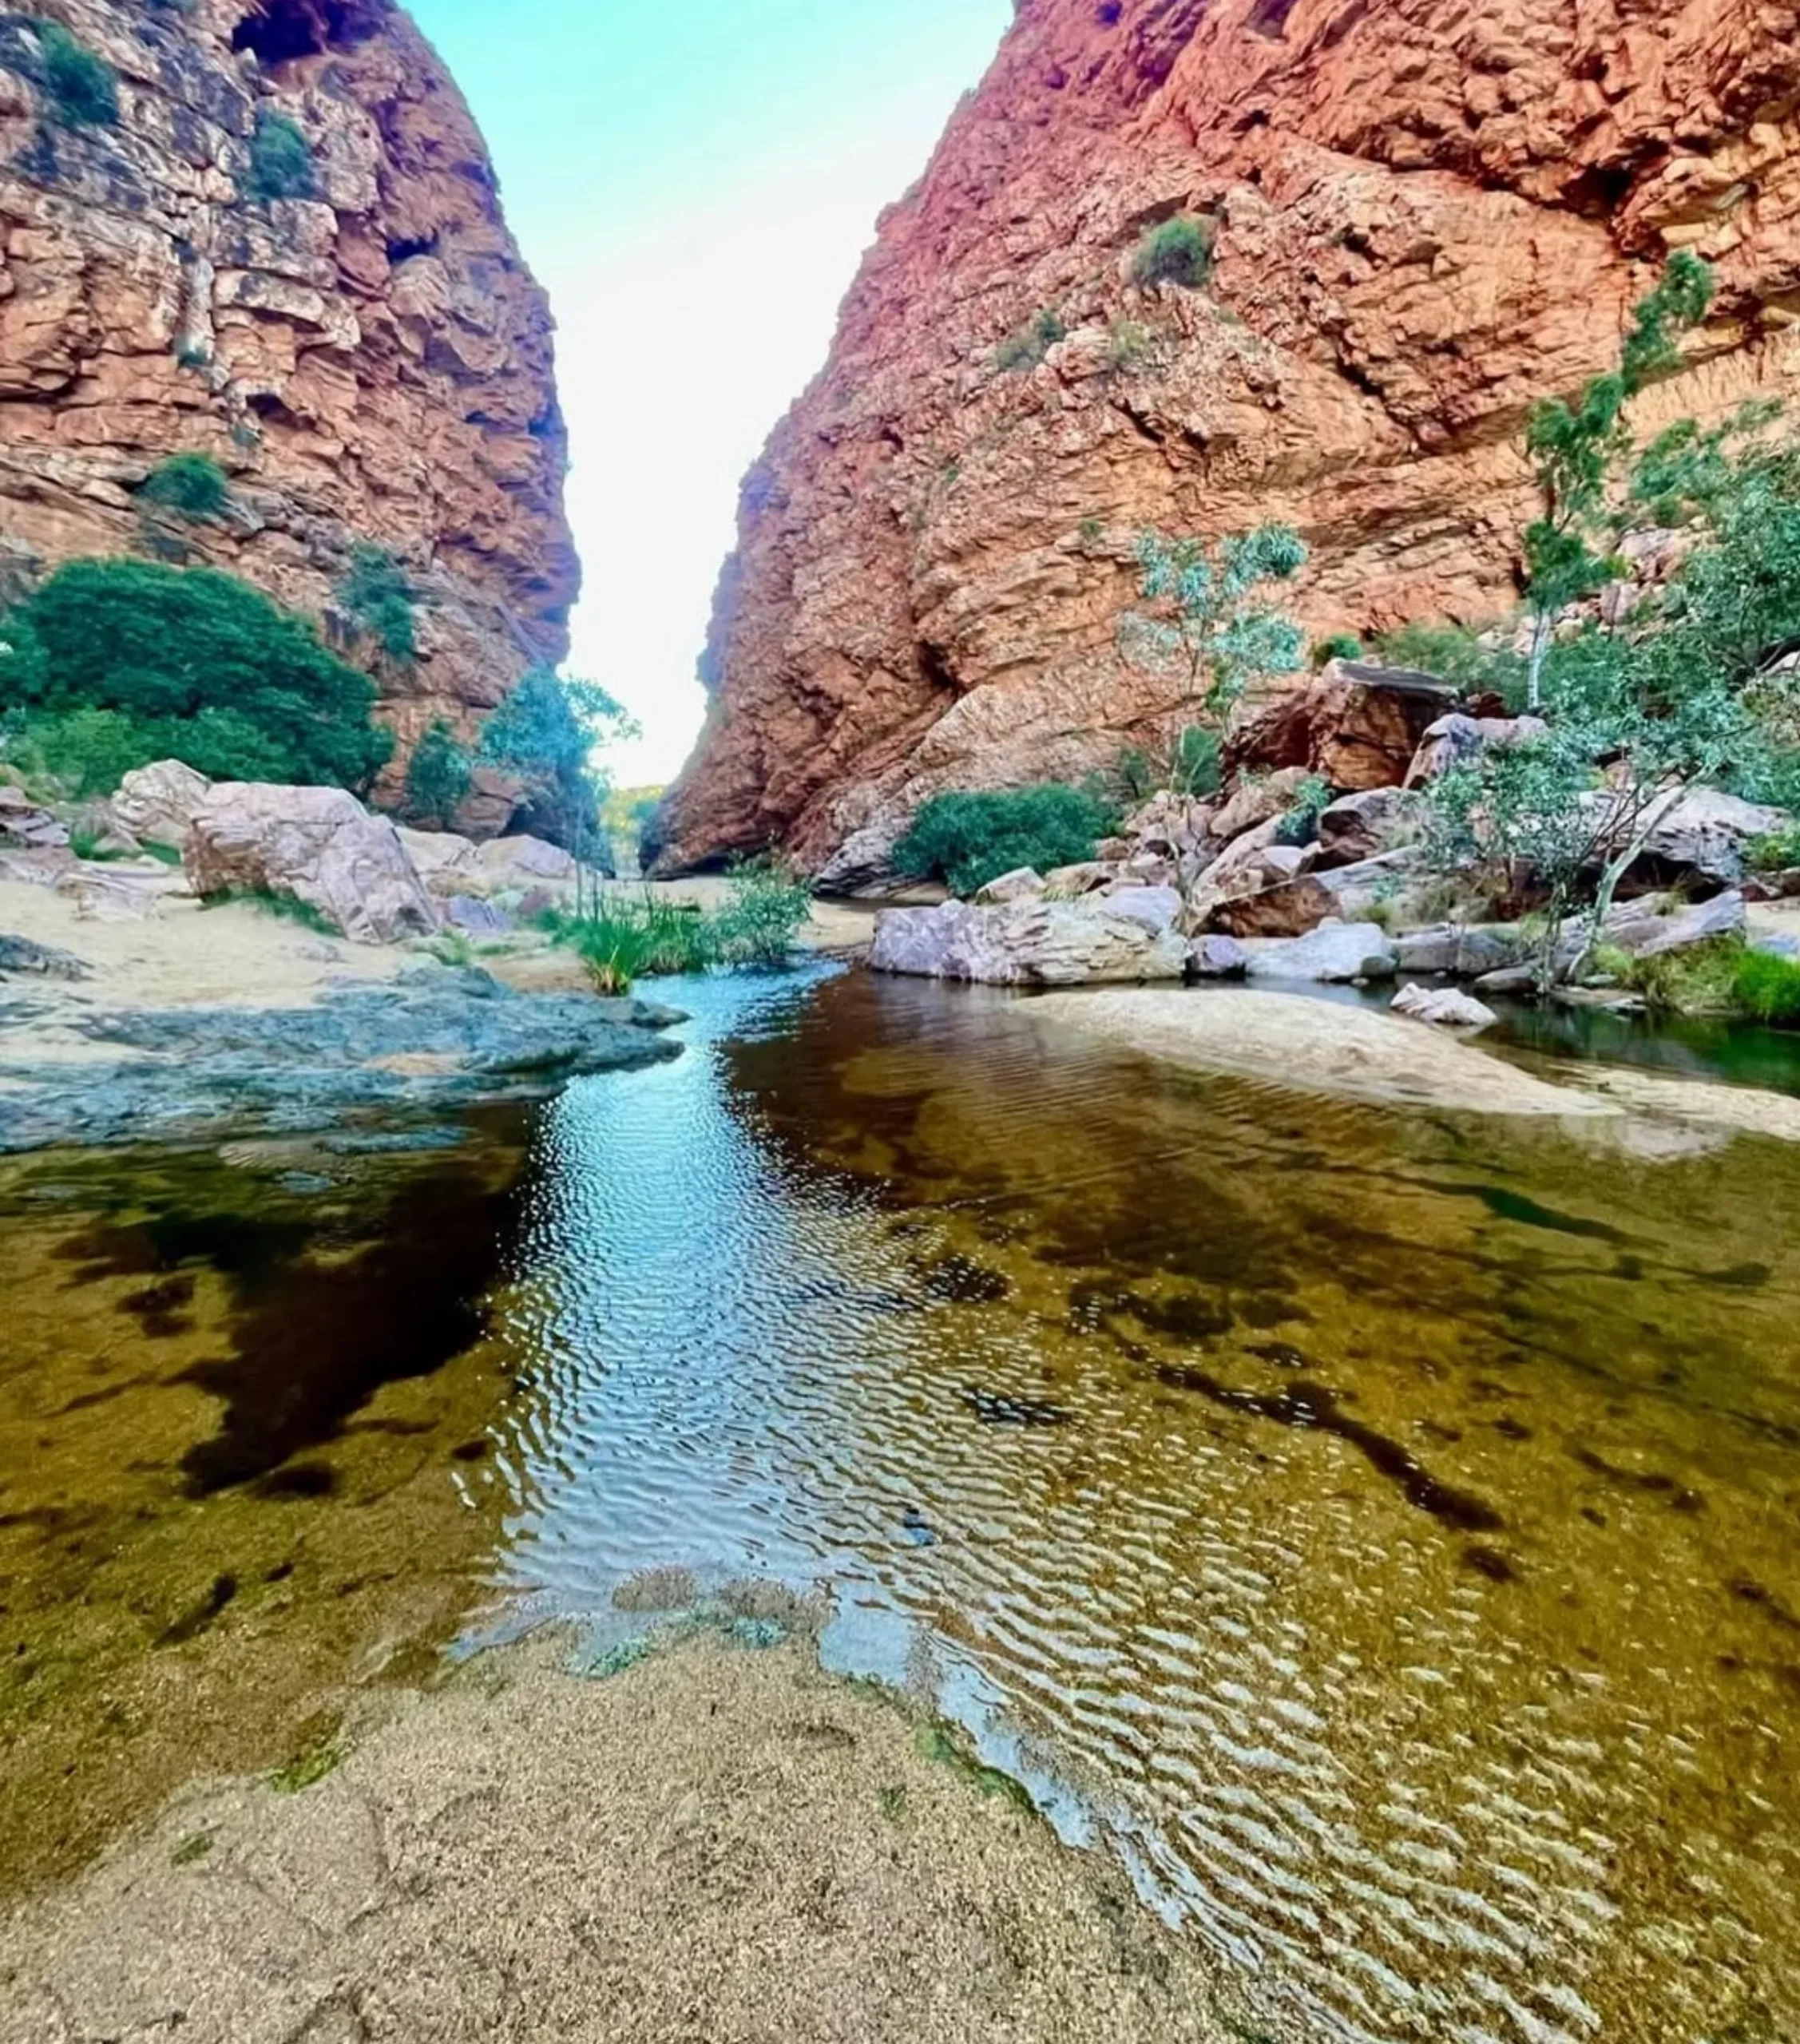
1379 1527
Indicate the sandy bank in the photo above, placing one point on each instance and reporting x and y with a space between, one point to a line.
718 1844
1325 1045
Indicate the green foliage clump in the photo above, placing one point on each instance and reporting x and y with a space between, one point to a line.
438 776
968 839
624 938
1190 766
1209 631
81 86
1765 986
546 733
1128 343
193 486
114 664
1576 447
1778 853
1299 825
280 159
1450 652
379 597
286 907
1336 646
1027 348
1176 251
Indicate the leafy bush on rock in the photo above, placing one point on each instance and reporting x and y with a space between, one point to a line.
190 664
968 839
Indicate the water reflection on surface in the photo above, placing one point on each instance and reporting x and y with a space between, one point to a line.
1378 1526
1381 1525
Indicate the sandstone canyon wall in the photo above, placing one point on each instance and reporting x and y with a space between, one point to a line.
1428 215
372 364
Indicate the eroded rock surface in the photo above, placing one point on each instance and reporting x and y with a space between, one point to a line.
1426 219
370 363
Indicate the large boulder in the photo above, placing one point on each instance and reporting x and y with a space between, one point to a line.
1298 900
1355 724
1335 952
1458 741
1464 948
1258 798
1448 1006
1650 936
524 862
448 863
318 846
1365 825
1023 883
1217 957
1705 836
155 804
1028 943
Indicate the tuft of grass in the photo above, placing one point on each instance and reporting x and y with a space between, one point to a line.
892 1797
1766 988
1176 251
1027 348
1128 343
168 855
616 1659
286 906
621 939
935 1741
195 1846
311 1764
1775 853
280 160
193 486
1336 646
82 87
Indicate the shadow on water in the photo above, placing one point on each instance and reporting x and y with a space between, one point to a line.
321 1315
233 1393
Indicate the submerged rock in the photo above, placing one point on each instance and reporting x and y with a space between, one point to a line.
23 954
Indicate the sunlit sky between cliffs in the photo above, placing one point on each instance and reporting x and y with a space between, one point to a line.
695 184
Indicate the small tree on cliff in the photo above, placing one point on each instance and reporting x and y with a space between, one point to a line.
547 732
1577 450
438 776
1207 625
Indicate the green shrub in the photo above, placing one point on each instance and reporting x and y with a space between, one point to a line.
1336 646
1029 346
280 159
1194 761
621 939
1452 653
1177 251
1777 854
968 839
546 732
438 776
1128 343
193 486
1766 988
192 665
83 88
289 908
764 908
379 598
1300 825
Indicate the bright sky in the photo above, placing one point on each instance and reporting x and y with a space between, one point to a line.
695 184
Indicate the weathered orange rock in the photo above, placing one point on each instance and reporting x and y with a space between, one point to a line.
1426 218
374 363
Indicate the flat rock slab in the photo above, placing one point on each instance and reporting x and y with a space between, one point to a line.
1035 942
1318 1045
437 1038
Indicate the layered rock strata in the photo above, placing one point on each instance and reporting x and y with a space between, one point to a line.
1424 218
372 364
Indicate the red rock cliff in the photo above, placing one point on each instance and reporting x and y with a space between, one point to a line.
1427 214
373 363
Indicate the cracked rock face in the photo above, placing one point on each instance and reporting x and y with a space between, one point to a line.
1426 219
373 363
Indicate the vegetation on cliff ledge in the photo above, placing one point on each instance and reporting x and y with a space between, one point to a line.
110 665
